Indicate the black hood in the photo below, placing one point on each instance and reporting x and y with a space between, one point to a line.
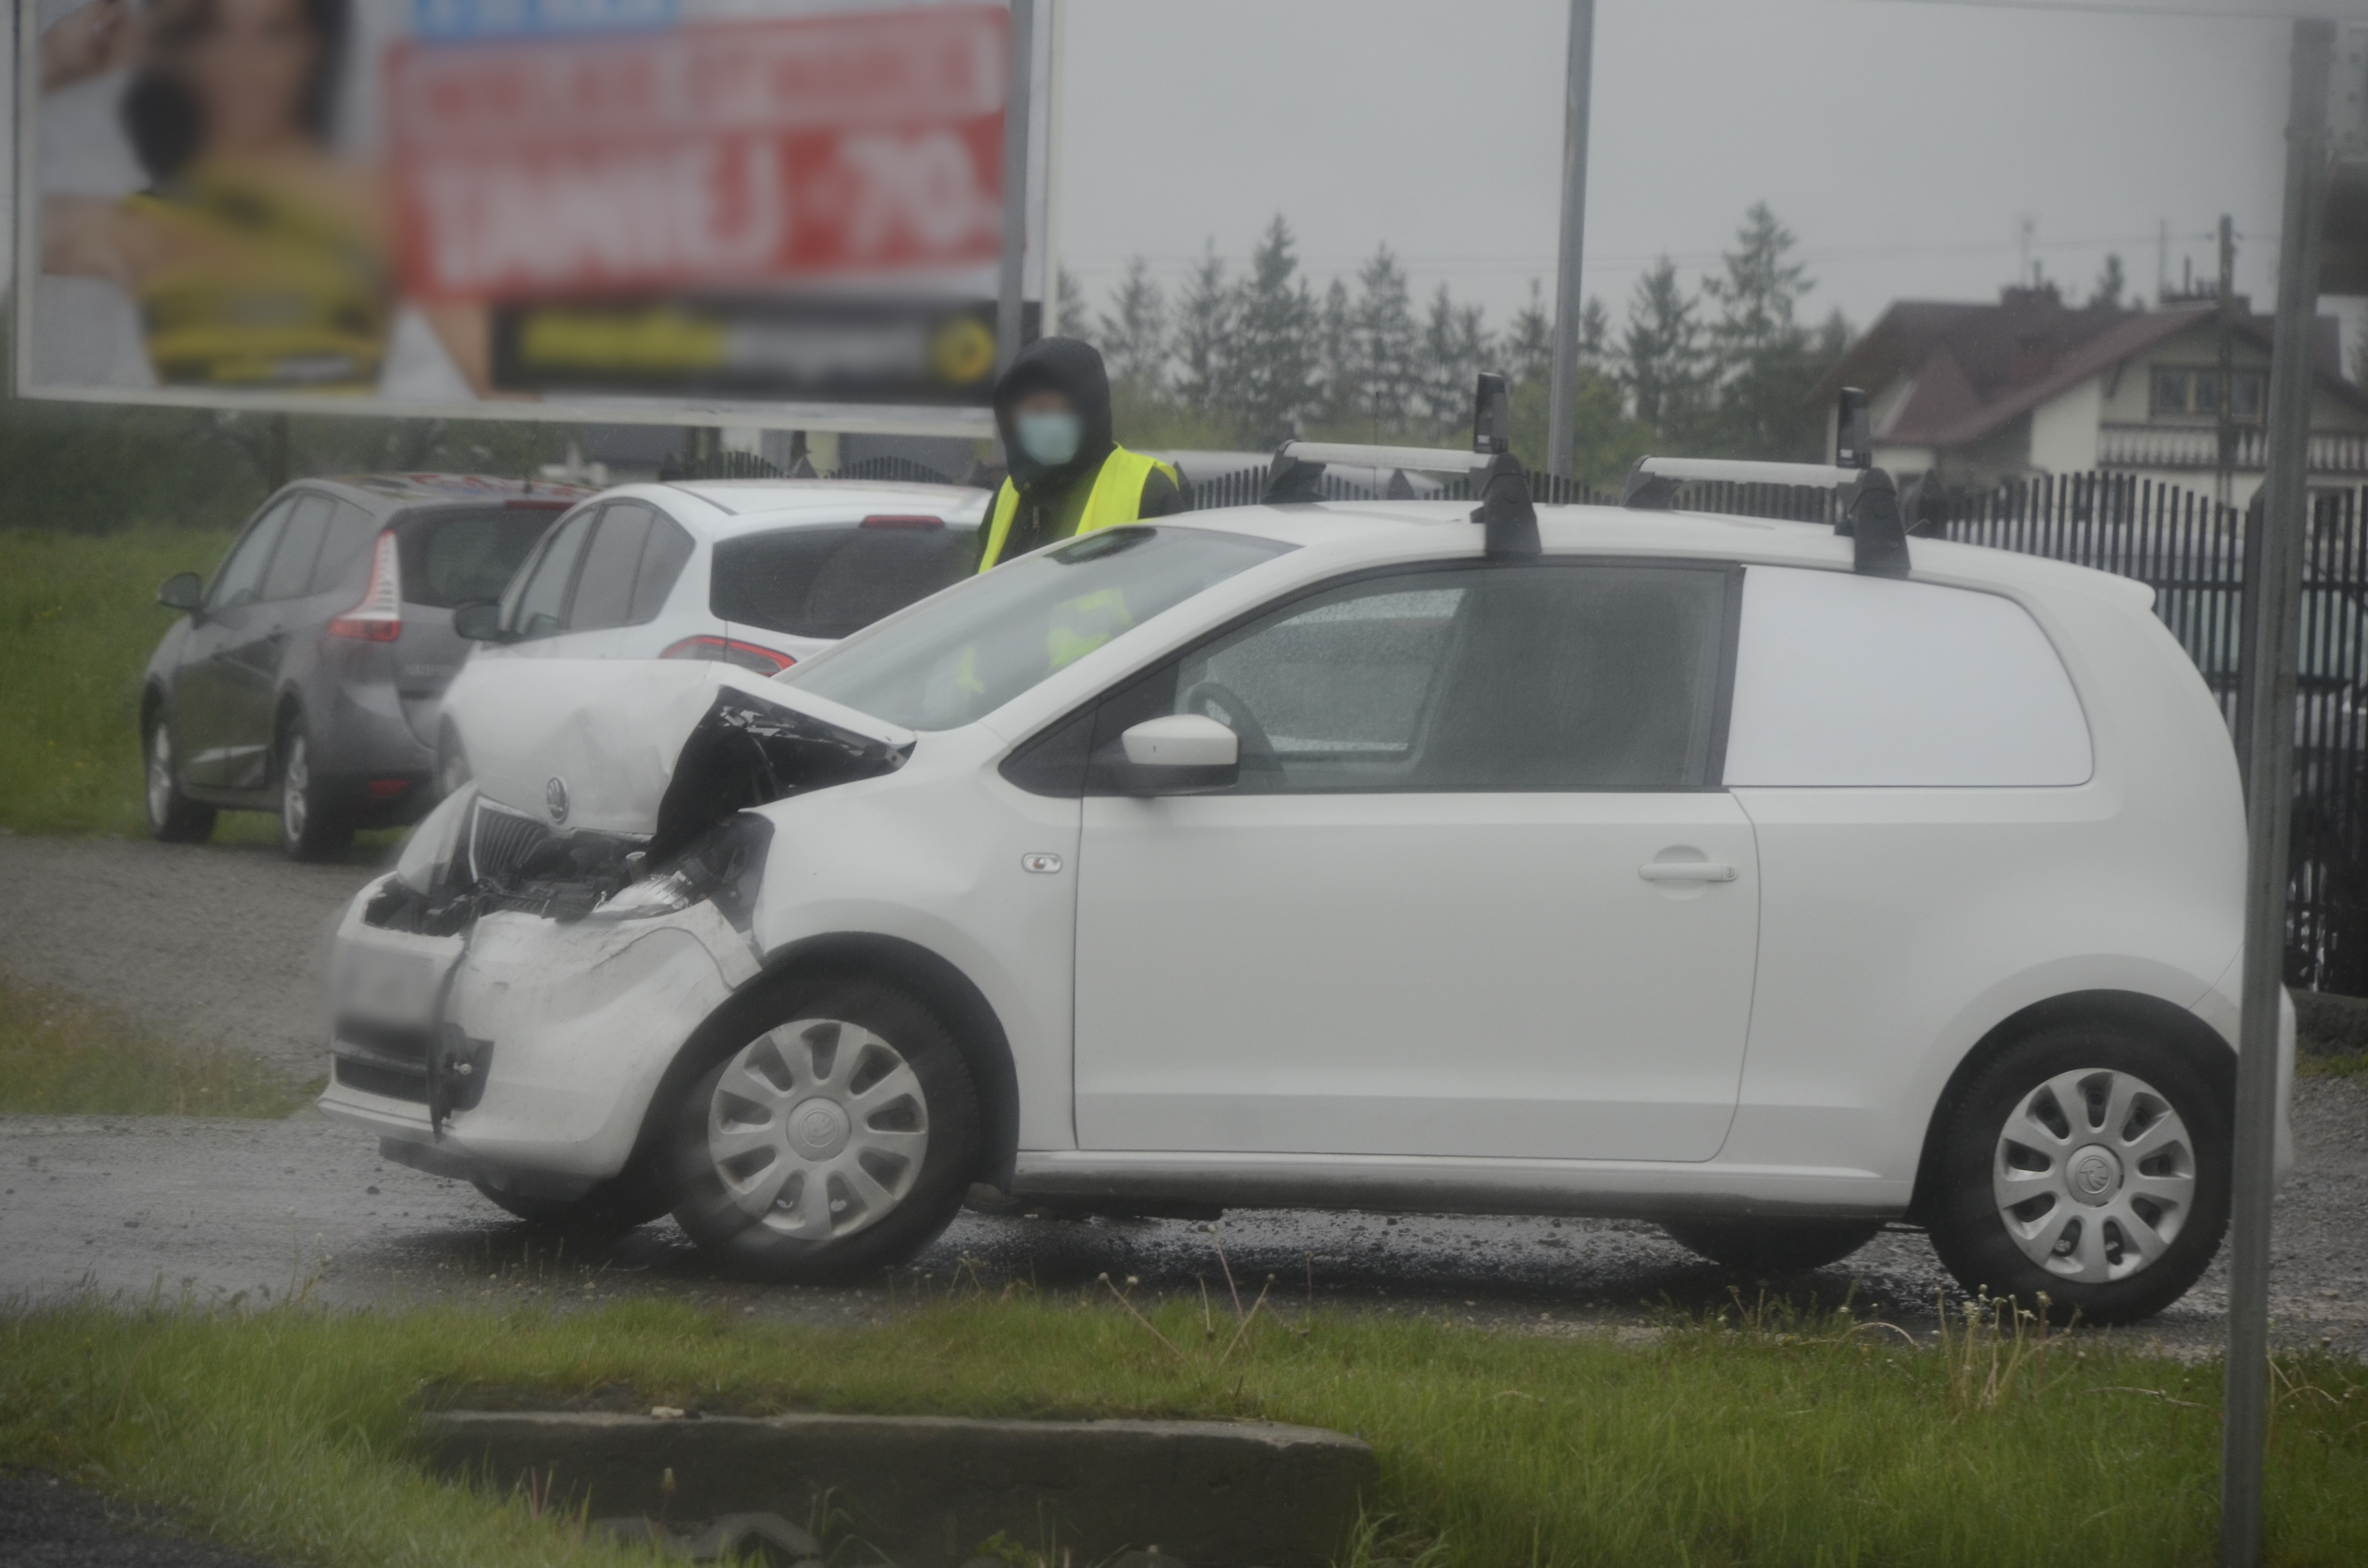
1064 365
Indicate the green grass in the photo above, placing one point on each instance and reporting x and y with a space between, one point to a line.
64 1056
78 618
1784 1442
2342 1065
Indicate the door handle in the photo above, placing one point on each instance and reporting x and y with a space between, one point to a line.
1686 872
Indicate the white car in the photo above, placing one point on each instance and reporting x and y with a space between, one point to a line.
1667 865
755 572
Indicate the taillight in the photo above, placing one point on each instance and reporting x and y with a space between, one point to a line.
731 650
379 617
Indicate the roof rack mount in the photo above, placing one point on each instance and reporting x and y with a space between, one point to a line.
1871 515
1506 511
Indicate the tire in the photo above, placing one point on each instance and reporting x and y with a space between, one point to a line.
309 828
1771 1246
173 817
835 1131
611 1209
2088 1163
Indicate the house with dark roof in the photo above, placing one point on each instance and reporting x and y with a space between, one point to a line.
1977 394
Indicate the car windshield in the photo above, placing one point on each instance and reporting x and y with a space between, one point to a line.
961 657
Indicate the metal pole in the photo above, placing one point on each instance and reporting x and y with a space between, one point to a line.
1017 103
2269 807
2225 406
1570 302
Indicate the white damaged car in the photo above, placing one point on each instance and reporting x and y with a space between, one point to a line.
1745 876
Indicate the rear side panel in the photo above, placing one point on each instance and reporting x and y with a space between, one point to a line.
1903 923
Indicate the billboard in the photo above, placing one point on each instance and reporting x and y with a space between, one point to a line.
786 213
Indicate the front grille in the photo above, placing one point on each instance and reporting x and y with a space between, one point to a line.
500 838
383 1058
393 1082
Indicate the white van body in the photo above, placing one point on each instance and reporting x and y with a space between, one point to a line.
1925 820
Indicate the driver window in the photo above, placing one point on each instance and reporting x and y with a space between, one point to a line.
241 576
540 608
1541 676
1333 694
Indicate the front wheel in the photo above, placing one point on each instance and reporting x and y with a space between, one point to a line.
173 817
836 1131
2089 1163
1772 1246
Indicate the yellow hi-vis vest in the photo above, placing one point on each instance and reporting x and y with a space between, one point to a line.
1117 493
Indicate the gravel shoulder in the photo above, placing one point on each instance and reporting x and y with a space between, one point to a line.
48 1523
219 943
230 943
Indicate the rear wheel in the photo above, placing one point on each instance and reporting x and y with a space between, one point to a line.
835 1132
1772 1246
309 828
2089 1163
173 817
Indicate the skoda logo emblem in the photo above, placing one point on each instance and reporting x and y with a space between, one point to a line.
555 797
2094 1175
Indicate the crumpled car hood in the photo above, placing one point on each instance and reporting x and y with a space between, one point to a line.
656 747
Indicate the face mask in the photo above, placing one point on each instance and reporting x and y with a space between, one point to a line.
1050 438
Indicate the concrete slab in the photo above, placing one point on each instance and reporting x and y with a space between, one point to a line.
928 1491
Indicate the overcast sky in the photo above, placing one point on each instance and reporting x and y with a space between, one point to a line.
1905 142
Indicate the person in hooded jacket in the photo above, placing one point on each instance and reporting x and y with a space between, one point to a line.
1067 476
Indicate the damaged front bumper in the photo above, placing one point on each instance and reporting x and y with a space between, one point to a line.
528 1048
509 998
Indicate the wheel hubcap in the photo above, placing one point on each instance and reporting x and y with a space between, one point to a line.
817 1129
295 779
160 773
2094 1175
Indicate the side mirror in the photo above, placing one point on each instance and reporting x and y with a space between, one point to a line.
1179 754
480 620
182 591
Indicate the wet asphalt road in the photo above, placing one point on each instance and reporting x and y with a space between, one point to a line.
249 1211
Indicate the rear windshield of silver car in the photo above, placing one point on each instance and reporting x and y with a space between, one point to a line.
455 556
961 657
834 579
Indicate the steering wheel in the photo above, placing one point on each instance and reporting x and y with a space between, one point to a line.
1229 709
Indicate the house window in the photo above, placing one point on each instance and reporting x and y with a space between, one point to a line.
2196 394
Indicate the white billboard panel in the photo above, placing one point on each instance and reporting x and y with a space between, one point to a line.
783 212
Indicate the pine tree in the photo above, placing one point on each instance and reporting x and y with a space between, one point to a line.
1661 356
1764 362
1132 331
1335 334
1382 357
1529 340
1274 373
1204 336
2111 283
1454 348
1069 308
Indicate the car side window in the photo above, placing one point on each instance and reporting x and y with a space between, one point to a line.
289 575
604 588
1539 677
350 533
662 558
1842 681
541 605
241 579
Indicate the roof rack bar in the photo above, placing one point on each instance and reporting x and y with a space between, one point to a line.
1427 460
1807 476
